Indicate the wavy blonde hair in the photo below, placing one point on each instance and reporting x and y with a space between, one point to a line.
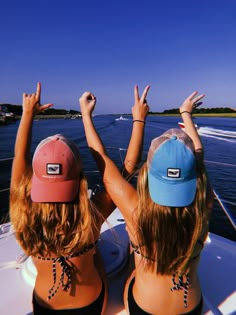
59 228
167 236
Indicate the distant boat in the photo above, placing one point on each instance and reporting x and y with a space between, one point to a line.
3 118
5 115
121 118
70 116
182 126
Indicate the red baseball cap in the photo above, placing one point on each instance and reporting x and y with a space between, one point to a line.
56 170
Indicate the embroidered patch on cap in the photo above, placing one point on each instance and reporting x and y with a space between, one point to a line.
54 169
173 172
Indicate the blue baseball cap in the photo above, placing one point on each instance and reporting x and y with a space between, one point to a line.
172 175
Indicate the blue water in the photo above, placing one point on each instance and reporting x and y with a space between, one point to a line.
218 136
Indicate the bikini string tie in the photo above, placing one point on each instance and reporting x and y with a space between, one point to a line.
180 284
66 271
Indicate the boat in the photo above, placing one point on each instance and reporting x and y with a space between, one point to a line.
121 118
216 269
70 116
3 118
5 115
182 126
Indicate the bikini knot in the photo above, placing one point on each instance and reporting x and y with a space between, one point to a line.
180 284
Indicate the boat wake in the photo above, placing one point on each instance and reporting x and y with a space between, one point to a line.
219 134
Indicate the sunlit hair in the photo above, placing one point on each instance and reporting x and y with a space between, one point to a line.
167 236
58 228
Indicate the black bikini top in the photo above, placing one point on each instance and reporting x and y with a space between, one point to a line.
180 282
66 269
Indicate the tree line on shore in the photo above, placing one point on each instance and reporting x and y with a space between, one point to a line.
213 110
17 110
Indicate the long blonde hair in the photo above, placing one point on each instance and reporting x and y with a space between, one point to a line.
167 236
58 228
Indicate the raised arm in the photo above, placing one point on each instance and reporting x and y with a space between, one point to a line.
122 193
139 113
31 106
112 178
186 109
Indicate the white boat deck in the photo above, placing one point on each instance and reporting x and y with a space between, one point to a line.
217 271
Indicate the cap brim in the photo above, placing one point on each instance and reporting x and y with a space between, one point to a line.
54 192
172 194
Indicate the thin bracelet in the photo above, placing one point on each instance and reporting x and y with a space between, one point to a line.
185 111
142 121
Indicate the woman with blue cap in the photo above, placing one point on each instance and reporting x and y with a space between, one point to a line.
166 218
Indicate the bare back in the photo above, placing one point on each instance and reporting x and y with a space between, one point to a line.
86 283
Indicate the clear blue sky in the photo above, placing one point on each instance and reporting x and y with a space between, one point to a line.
108 46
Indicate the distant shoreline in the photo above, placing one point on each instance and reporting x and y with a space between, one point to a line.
220 115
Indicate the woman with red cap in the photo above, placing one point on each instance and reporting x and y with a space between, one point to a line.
54 220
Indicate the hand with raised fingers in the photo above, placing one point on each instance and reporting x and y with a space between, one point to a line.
140 108
31 102
191 102
87 104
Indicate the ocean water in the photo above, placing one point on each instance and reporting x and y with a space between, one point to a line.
218 136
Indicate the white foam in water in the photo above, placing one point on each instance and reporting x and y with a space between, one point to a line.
219 134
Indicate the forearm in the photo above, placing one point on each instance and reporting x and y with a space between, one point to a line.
191 130
93 140
139 112
186 109
106 166
22 149
134 151
24 136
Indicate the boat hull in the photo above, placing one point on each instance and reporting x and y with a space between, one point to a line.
216 271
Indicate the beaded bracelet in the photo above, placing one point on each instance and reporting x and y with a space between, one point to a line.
185 111
142 121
